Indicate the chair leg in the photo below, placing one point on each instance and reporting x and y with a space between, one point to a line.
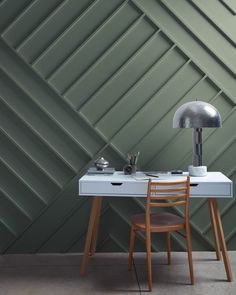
149 261
131 248
189 249
168 248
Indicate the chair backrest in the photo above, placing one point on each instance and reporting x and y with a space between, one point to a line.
168 194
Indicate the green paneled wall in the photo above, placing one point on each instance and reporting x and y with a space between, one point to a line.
83 78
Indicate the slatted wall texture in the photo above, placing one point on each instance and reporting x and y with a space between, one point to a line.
83 78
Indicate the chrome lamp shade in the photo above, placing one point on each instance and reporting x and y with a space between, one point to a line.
197 115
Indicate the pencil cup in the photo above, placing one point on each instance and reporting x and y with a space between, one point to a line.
134 169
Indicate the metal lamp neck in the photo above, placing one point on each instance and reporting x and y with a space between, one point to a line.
197 147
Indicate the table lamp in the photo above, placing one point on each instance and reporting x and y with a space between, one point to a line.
197 115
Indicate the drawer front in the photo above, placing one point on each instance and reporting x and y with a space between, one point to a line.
211 189
139 189
113 188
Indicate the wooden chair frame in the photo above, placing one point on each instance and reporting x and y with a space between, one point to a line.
164 194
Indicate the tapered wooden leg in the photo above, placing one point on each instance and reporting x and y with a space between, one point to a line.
96 228
149 259
222 241
189 250
214 228
91 226
131 248
168 248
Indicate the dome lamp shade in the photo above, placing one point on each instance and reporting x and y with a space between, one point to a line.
197 114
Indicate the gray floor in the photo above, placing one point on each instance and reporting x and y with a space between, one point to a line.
59 274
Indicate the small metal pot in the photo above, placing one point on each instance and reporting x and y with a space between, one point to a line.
101 163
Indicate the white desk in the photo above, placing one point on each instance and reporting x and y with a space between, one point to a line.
214 185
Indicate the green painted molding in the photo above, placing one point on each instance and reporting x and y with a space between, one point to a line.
79 79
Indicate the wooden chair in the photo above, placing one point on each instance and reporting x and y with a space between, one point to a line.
163 194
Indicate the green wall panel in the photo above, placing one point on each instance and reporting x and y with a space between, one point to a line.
79 79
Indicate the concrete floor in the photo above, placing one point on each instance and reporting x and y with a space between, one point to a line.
46 274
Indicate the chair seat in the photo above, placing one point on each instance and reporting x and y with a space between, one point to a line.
160 222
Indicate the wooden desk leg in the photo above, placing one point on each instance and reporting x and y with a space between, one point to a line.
214 228
91 228
222 241
96 228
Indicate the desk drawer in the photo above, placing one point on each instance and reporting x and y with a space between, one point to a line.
139 188
115 188
211 189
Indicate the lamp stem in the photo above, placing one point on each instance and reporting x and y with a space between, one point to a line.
197 147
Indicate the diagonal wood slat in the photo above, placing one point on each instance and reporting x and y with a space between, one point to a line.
80 79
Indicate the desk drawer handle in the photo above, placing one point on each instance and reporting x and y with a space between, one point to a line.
193 184
116 183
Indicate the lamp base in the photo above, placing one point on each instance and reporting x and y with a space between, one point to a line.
199 171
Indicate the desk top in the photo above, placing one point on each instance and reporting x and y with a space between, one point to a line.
215 184
217 177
